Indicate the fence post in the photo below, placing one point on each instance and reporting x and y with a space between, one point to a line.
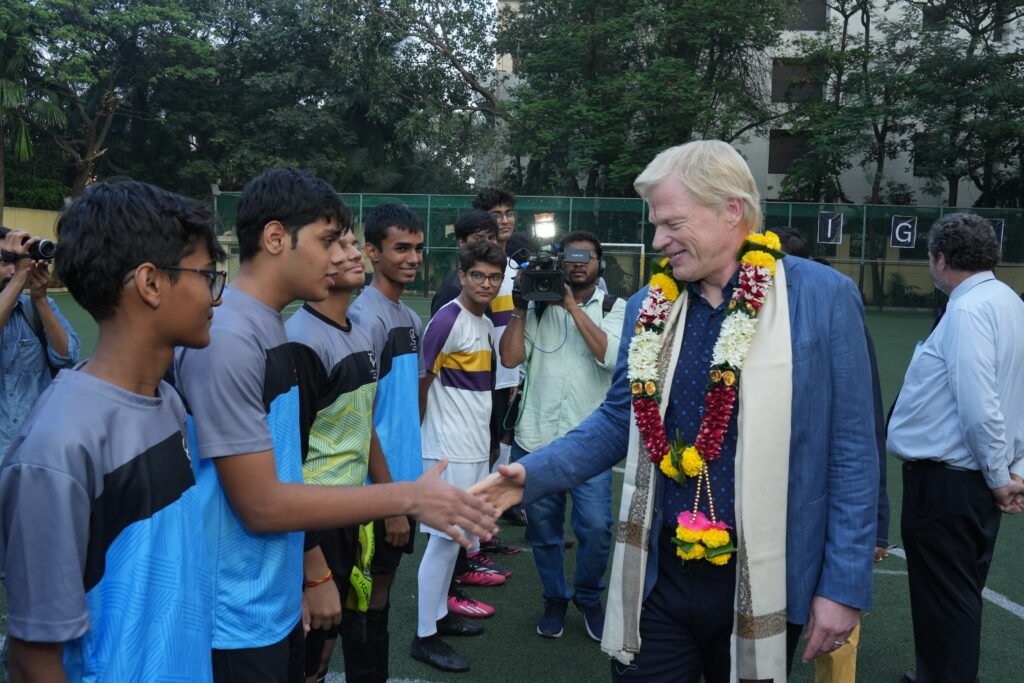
863 252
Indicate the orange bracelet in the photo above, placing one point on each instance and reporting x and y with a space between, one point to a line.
317 582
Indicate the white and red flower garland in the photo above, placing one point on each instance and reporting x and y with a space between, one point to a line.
699 535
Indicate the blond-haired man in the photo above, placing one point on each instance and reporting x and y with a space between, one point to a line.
793 477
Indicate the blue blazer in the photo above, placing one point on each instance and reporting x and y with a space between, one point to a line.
833 466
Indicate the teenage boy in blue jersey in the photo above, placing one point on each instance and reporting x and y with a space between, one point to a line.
394 245
107 577
244 427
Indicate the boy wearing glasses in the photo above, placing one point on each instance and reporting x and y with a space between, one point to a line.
107 577
455 399
245 432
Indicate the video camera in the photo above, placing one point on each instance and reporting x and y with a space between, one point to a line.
542 278
40 250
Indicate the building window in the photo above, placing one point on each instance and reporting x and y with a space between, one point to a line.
792 81
807 16
785 147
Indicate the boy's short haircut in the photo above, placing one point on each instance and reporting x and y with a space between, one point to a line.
481 251
473 221
793 242
491 197
392 214
115 226
291 196
520 246
584 236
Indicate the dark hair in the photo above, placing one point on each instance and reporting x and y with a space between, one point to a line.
793 242
966 240
583 236
293 197
517 243
119 224
389 215
490 197
481 251
474 221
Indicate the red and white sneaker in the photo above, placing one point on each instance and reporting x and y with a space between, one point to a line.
475 577
465 606
480 562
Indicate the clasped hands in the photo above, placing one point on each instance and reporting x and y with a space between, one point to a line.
1010 498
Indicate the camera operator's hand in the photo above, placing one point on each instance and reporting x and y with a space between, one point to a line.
517 297
568 301
12 245
38 280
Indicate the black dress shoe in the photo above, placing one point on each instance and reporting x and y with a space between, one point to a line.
454 625
438 654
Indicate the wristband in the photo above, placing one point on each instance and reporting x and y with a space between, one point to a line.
316 582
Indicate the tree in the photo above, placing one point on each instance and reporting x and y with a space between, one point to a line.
19 105
605 85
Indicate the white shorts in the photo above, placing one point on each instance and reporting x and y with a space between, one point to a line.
461 475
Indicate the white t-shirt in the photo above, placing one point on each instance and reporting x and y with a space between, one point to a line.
458 347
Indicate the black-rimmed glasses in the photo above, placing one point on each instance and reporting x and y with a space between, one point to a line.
498 215
216 278
478 277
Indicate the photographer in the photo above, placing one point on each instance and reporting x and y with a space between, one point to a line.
35 339
569 348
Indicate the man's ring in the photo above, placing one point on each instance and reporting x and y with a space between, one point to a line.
839 643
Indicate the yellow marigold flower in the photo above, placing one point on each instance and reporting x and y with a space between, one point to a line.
728 378
668 468
636 388
667 286
768 239
720 560
687 535
715 538
715 376
695 553
692 462
760 259
650 387
663 262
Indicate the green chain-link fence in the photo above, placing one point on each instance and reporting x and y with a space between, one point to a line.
888 276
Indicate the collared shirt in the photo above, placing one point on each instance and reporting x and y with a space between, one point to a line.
564 381
25 368
962 401
686 410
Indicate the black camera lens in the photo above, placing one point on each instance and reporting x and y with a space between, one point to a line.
43 250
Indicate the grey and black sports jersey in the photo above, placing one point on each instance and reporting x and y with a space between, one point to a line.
99 534
337 408
396 333
242 397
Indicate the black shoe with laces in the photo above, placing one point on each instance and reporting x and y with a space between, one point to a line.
438 654
454 625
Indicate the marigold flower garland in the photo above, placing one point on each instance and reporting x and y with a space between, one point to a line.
699 536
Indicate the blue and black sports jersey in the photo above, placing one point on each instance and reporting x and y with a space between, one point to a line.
396 333
242 396
99 535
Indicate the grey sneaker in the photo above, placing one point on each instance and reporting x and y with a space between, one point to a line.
552 623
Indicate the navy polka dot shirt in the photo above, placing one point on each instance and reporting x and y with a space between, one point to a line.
686 409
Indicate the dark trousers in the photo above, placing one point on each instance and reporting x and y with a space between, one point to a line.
950 522
686 623
281 662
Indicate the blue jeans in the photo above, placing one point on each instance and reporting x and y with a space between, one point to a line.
592 524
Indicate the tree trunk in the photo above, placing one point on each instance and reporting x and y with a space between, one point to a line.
954 189
3 170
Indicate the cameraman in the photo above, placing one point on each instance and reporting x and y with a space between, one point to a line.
35 339
569 349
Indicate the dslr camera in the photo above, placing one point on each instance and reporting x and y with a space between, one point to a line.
40 250
542 279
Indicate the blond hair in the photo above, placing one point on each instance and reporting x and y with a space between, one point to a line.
712 172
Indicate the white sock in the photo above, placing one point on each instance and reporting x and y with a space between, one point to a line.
433 579
504 455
